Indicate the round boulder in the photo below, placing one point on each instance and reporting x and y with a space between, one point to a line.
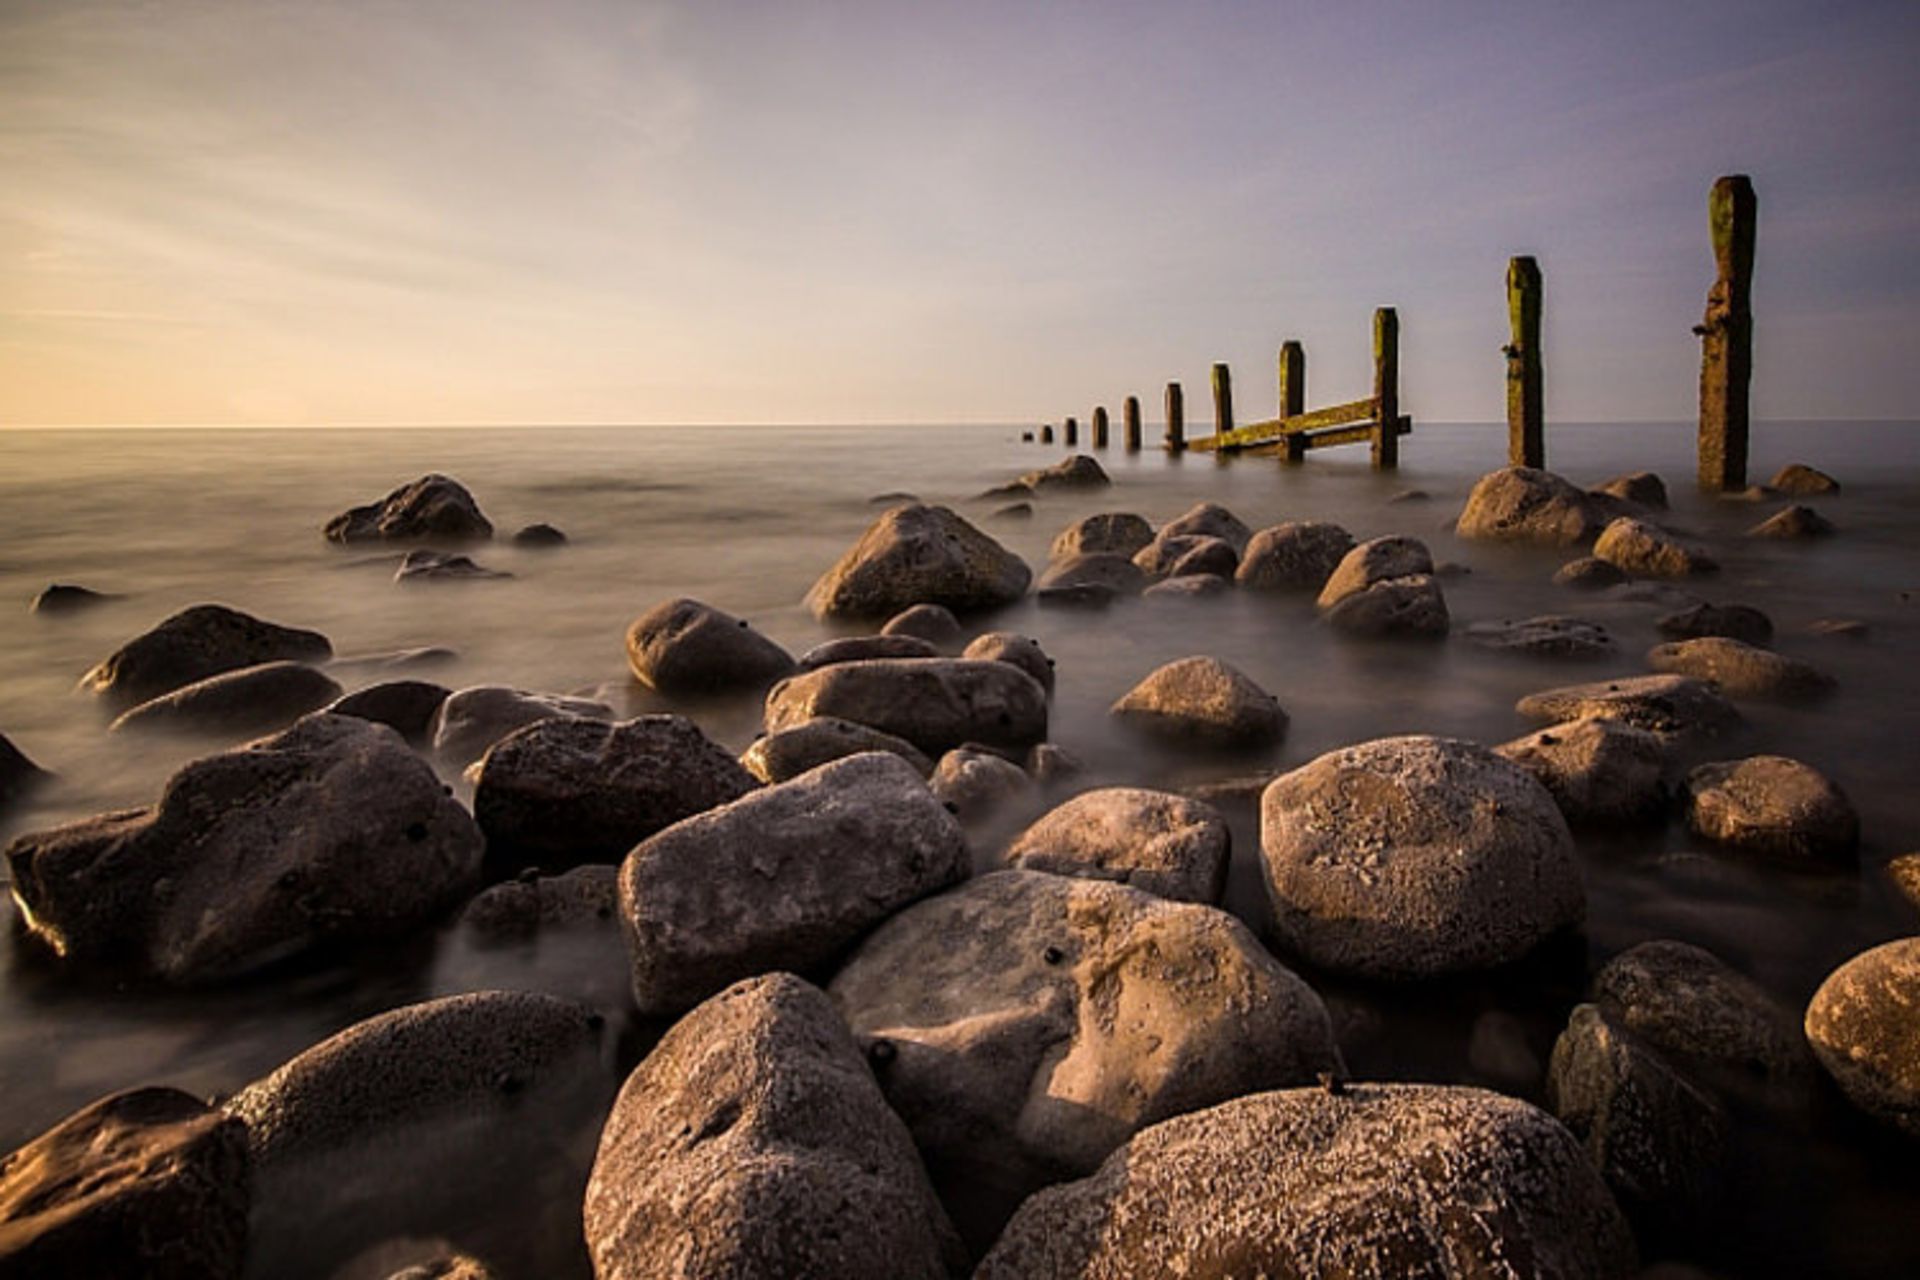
932 623
1641 487
1209 520
1599 771
918 554
404 705
1372 561
1734 621
1772 805
193 644
1163 843
468 721
1077 472
981 789
1297 556
434 506
1092 577
1648 551
1170 555
246 701
1864 1026
1118 532
1672 708
686 647
1202 699
1016 650
67 597
1524 504
1412 606
934 703
788 753
1588 573
1741 670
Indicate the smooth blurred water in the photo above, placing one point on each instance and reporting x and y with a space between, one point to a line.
745 518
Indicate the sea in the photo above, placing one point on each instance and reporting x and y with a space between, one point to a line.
746 518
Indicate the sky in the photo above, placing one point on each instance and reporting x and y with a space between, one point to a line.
614 211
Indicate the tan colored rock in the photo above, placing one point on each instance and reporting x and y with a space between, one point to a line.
788 753
1772 805
1171 555
686 647
936 704
193 644
1010 647
932 623
1375 560
1118 532
1864 1026
1204 700
1412 607
1166 844
1299 555
1210 520
250 700
1799 479
918 554
1673 708
1648 551
1793 523
1741 670
982 789
1599 771
1523 504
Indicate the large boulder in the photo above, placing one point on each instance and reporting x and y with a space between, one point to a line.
686 647
1416 856
433 507
568 790
1032 1023
1118 532
1208 520
788 753
1864 1026
1166 844
936 704
1412 606
1363 1181
1202 700
1299 555
753 1141
1648 551
149 1182
918 554
784 878
1375 560
332 829
1672 708
468 721
246 701
1772 805
1523 504
191 645
1741 670
1599 771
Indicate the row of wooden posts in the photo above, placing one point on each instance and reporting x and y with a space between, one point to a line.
1726 370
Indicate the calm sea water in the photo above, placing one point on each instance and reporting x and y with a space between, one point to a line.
745 518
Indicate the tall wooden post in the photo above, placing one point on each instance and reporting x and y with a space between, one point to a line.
1176 419
1726 338
1526 406
1222 400
1046 434
1130 420
1386 389
1100 426
1293 379
1073 432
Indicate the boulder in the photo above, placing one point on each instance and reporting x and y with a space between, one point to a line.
528 906
422 565
1904 873
1416 856
1772 805
1209 520
1117 532
1170 555
919 555
568 790
1548 636
1588 573
148 1182
932 623
1091 576
1188 586
1412 606
685 647
1202 700
67 597
1793 523
860 648
1740 669
332 829
1032 1023
1734 621
1800 480
1077 472
1864 1026
753 1141
1672 708
1363 1181
1523 504
1372 561
18 775
191 645
784 878
1165 844
432 507
468 721
539 537
407 706
1648 551
1600 771
245 701
1016 650
1643 488
980 788
1049 762
1299 555
934 703
781 756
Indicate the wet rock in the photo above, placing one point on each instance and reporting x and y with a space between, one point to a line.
1188 586
1904 872
1203 700
1772 805
1600 771
1412 606
1208 520
1366 1180
1035 1022
191 645
1523 504
685 647
1169 555
784 878
1299 555
930 622
860 648
1105 573
753 1141
1734 621
1664 595
980 788
919 555
1049 762
527 906
1416 856
539 537
1648 551
422 565
1864 1026
1643 488
468 721
893 498
1375 560
330 830
451 1266
568 790
18 775
1077 472
1548 636
1015 650
1799 480
149 1183
407 706
1794 522
246 701
434 506
1115 532
1741 670
1013 511
934 703
1672 708
1839 628
788 753
1410 495
1165 844
396 660
1589 573
67 597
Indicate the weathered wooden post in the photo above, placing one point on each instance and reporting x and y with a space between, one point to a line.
1726 337
1222 400
1100 426
1176 419
1386 389
1073 432
1046 434
1130 418
1526 405
1293 379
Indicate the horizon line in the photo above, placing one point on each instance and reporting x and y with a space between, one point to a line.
1006 424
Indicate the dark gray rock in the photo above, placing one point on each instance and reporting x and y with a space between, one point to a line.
1297 556
1165 844
1412 607
1772 805
860 648
1548 636
1642 488
788 753
685 647
407 706
539 537
468 721
1741 670
1589 573
936 704
18 775
1115 532
1863 1029
1188 586
392 662
422 565
1673 708
1793 523
1208 520
919 555
1600 771
191 645
67 597
245 701
1523 504
1104 574
1077 472
1800 480
1202 700
1375 560
585 898
1734 621
932 623
1016 650
433 507
1645 550
1169 555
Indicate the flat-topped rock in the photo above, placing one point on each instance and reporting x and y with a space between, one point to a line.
1645 550
1799 480
1166 844
936 704
1524 504
1741 670
1673 708
248 700
919 555
1117 532
790 752
1372 561
932 623
1735 621
1772 805
1600 771
1299 555
1548 636
1208 520
1080 578
860 648
193 644
433 507
686 647
1864 1026
468 721
1204 700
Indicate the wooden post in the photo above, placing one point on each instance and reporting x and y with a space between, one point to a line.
1073 432
1046 434
1526 406
1130 417
1293 379
1386 389
1176 419
1222 400
1726 338
1100 426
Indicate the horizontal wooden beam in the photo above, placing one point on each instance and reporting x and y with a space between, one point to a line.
1262 432
1324 438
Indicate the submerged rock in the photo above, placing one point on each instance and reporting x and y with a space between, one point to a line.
1103 573
529 905
469 721
860 648
936 704
1741 670
67 597
1548 636
1799 479
422 565
1600 771
1648 551
1078 472
1117 532
1734 621
248 700
1412 606
1208 520
1641 487
685 647
1524 504
788 753
982 789
1864 1026
1373 561
18 775
193 644
1165 844
1299 555
932 623
434 506
1673 708
919 555
1589 573
1188 586
1794 522
539 537
1202 699
407 706
1772 805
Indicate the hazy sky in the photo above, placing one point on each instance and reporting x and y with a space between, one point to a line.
604 211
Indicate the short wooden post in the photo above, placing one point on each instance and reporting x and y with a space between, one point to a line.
1100 426
1726 338
1526 405
1073 432
1222 400
1386 389
1130 419
1176 419
1293 379
1046 434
